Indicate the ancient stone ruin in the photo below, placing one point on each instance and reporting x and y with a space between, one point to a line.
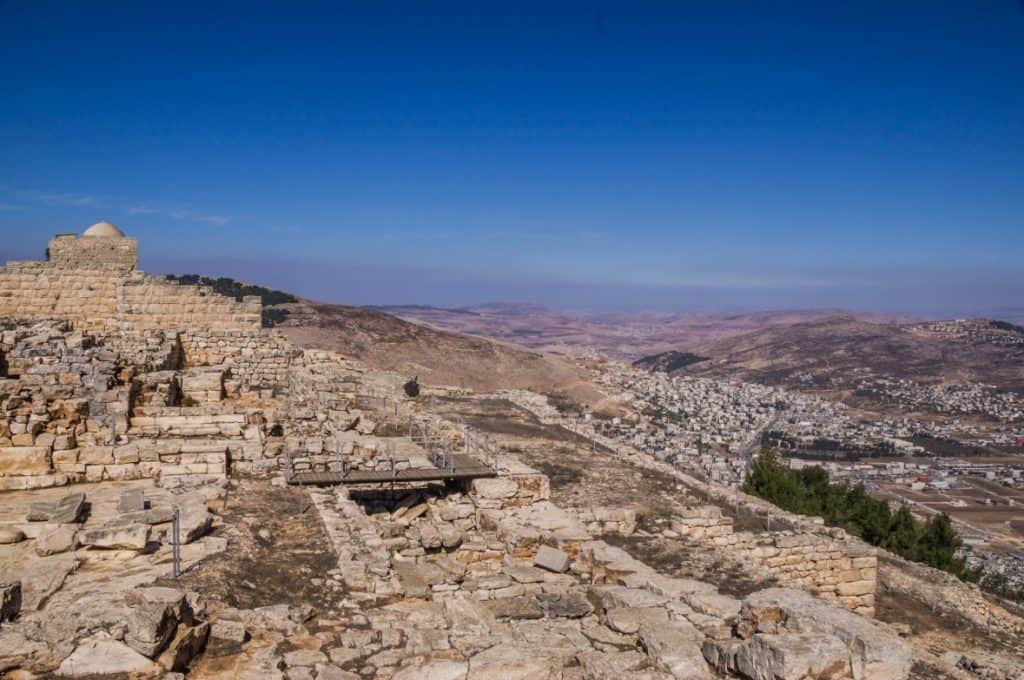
151 439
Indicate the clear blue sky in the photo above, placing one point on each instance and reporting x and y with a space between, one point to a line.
642 155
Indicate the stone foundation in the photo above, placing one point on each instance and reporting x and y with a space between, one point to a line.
827 561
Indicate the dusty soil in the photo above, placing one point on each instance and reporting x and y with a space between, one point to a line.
938 632
582 473
255 571
675 557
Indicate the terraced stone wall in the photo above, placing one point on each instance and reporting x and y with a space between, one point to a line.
825 561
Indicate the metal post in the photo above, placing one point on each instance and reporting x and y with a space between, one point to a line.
176 543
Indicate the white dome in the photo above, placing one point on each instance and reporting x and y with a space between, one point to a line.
103 230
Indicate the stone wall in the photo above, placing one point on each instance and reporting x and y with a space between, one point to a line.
149 302
258 361
70 250
108 297
825 561
801 551
42 290
74 407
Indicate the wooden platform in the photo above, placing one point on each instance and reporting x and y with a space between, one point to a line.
463 467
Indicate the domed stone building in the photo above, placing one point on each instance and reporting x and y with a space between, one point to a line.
103 230
101 245
93 281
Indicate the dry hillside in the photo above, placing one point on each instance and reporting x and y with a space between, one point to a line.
436 356
841 348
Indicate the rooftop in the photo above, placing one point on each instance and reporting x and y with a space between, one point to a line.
103 230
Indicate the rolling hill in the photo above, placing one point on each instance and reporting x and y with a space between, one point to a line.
837 349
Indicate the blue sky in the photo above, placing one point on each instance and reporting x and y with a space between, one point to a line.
671 156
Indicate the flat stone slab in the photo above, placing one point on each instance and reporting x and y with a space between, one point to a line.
43 576
232 631
104 656
567 605
56 538
551 559
129 537
131 501
68 510
518 608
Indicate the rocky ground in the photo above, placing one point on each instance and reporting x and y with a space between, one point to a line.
575 562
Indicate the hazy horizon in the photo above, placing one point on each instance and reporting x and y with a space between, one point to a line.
581 156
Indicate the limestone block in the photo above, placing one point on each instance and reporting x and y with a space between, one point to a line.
616 597
628 620
99 656
131 501
150 627
130 537
874 651
855 588
551 559
68 510
56 538
24 460
495 488
96 455
232 631
676 648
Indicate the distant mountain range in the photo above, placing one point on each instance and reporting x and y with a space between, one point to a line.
620 335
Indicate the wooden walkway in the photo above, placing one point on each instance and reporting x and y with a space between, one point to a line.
462 467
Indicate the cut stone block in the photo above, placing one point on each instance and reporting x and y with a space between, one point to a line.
56 538
130 537
24 460
68 510
132 501
196 521
232 631
551 559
